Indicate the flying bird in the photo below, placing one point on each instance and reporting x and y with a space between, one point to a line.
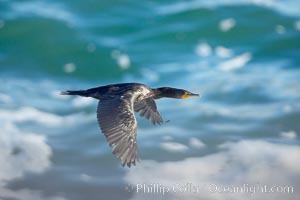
115 113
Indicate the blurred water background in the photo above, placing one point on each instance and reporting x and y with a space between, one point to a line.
242 56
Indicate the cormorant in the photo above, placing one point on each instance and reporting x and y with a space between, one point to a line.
115 113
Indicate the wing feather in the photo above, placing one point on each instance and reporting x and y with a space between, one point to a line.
147 108
118 124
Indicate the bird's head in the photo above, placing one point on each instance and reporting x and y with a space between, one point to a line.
169 92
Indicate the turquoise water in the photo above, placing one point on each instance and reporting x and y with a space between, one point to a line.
241 56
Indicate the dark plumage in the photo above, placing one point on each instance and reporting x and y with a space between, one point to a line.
115 113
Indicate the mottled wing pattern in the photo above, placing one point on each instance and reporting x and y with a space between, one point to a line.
118 124
147 108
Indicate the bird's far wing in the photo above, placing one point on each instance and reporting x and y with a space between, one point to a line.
147 108
118 124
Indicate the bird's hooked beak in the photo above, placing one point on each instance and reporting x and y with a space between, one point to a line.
187 95
194 95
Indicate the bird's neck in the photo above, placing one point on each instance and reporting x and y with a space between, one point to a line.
163 92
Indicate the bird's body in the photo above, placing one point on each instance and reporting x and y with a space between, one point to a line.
115 113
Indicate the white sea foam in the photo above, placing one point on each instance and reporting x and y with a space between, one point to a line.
227 24
287 7
26 194
86 177
289 135
245 162
250 111
5 98
28 150
30 114
82 102
25 114
167 138
196 143
236 62
223 52
203 49
122 59
43 9
173 147
22 152
69 67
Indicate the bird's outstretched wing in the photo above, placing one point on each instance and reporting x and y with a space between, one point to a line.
118 124
147 108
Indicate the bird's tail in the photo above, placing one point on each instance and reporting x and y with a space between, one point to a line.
83 93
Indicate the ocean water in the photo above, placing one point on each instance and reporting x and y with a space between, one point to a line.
240 140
